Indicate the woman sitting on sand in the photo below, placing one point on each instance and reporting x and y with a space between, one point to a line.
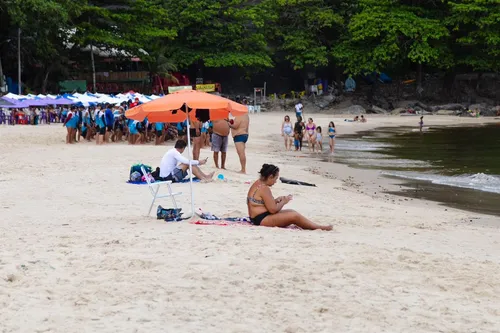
267 211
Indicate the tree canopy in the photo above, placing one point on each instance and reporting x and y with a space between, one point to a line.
358 36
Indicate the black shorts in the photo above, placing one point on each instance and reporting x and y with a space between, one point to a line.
192 133
175 176
102 130
110 128
159 133
258 219
181 133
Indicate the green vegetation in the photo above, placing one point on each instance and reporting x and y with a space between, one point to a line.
356 36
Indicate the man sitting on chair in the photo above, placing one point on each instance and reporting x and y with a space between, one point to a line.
174 166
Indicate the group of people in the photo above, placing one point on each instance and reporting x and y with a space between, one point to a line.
309 131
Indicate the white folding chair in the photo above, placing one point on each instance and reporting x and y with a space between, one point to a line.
154 188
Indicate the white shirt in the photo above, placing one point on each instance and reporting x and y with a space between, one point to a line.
171 159
298 108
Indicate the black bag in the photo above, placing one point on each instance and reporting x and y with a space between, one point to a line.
169 214
137 167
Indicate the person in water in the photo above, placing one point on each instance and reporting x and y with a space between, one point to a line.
331 135
363 119
311 133
287 132
267 211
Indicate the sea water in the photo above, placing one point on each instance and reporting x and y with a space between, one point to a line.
459 166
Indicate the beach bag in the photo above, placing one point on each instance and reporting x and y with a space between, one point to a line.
135 176
147 177
169 214
137 168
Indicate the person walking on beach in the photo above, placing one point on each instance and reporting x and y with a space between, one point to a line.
239 130
331 135
287 132
421 124
219 141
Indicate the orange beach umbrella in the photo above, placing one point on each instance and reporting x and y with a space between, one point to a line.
200 105
176 107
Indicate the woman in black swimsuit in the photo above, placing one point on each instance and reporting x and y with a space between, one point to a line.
268 211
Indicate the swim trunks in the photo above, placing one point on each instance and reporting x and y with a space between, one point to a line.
241 138
219 143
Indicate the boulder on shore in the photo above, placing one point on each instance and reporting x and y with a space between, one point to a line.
398 111
423 106
453 106
353 109
376 109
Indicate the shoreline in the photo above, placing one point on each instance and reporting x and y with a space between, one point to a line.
79 253
373 181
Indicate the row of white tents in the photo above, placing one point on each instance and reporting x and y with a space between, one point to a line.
86 99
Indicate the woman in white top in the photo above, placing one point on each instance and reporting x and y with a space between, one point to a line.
287 132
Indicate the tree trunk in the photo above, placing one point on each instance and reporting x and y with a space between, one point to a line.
93 67
45 80
479 77
20 87
419 79
1 75
448 83
338 79
161 83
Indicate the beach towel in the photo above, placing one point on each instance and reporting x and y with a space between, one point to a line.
210 219
225 223
221 223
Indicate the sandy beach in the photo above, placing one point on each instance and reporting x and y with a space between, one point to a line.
78 254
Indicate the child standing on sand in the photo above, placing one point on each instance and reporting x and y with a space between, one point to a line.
319 139
421 123
331 135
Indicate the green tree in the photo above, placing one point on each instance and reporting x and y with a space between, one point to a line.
388 33
475 26
42 42
217 33
303 31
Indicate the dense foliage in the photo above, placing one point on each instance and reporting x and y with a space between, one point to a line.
357 36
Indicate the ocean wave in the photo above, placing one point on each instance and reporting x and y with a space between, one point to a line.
479 181
359 145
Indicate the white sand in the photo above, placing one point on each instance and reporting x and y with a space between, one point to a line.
77 253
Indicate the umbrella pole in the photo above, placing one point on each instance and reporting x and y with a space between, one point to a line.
190 166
